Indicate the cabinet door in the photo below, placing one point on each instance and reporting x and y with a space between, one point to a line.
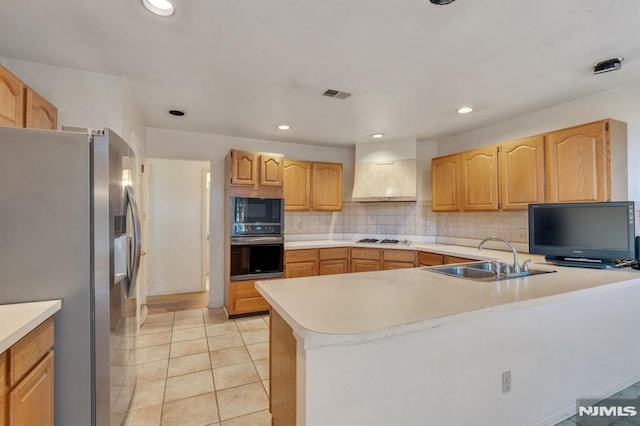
244 298
39 113
397 265
326 186
11 99
3 389
244 168
297 185
522 173
429 259
480 179
333 266
445 183
31 401
271 170
576 164
362 265
301 269
454 259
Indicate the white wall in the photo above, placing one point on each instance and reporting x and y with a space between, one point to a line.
620 104
84 99
579 345
175 226
197 146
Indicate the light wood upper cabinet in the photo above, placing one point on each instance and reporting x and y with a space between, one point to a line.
297 185
256 169
480 179
271 170
11 99
587 163
39 113
326 184
445 183
310 186
244 168
521 173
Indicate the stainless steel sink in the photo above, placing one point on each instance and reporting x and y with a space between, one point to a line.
481 271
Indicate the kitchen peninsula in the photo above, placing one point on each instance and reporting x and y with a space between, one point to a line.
414 347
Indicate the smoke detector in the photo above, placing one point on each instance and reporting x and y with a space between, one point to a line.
608 65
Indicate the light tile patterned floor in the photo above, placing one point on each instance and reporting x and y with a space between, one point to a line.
197 368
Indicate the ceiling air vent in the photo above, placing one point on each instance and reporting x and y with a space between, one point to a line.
331 93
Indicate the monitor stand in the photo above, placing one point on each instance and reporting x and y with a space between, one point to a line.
581 262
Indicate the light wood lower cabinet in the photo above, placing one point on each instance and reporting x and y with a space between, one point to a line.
31 401
282 367
454 259
27 379
426 258
333 260
398 259
366 259
301 263
244 298
3 389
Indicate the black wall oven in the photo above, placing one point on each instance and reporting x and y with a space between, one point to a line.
254 258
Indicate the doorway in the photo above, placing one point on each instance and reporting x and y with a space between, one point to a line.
178 246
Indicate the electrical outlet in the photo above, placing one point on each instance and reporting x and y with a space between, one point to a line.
506 381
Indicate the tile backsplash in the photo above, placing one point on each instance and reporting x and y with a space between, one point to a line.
409 218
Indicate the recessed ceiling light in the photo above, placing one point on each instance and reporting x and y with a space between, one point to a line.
465 110
284 127
176 112
159 7
377 135
441 2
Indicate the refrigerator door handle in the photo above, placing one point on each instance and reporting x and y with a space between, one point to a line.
137 241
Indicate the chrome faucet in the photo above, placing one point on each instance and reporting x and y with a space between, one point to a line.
516 265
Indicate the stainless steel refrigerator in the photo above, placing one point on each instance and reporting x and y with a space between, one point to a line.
69 230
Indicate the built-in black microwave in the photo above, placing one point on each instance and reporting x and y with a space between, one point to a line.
256 216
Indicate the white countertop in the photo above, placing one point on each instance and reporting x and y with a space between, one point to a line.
17 320
356 307
448 249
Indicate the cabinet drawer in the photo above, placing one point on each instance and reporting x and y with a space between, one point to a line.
429 259
397 265
454 259
245 289
365 253
333 253
251 304
400 255
306 255
3 375
25 354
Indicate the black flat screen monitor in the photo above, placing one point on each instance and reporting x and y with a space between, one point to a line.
588 234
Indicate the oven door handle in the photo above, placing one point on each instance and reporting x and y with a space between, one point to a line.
243 241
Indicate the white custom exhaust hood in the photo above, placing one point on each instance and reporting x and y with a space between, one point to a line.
385 171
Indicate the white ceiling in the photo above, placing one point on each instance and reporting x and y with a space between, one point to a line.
241 67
